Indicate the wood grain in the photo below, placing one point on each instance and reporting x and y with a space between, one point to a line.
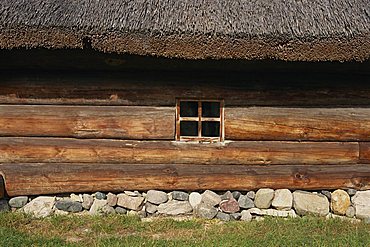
65 150
162 89
365 152
318 124
36 179
124 122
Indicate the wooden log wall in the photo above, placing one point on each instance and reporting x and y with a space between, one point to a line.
77 133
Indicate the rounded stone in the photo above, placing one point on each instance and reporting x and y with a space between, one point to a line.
18 202
251 194
283 199
264 198
156 197
180 196
245 202
120 210
351 212
236 194
340 202
69 206
326 193
351 192
222 216
229 206
195 199
100 196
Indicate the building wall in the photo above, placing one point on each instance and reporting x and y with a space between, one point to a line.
73 121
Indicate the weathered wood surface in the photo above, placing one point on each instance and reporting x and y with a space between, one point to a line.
125 122
63 150
365 152
35 179
2 186
318 124
242 90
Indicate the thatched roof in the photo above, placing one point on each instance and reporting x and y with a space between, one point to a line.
306 30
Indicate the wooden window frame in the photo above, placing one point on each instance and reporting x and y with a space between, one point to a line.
200 119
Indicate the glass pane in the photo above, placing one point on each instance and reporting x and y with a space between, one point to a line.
210 109
211 129
188 109
188 128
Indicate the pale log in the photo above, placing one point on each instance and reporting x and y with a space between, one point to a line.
316 124
36 179
124 122
61 150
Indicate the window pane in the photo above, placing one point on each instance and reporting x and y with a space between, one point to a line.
210 109
210 129
189 109
188 128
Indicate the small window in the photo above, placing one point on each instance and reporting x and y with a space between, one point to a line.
199 120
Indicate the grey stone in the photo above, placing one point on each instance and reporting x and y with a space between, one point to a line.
4 206
211 198
235 216
156 197
18 202
133 203
351 192
150 208
40 207
361 202
97 207
245 202
120 210
251 194
340 202
222 216
175 208
195 199
229 206
100 196
132 193
112 199
327 194
206 211
246 216
106 209
351 212
226 196
69 206
264 198
283 199
180 196
87 201
236 195
309 203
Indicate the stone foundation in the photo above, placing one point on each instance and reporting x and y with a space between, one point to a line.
349 205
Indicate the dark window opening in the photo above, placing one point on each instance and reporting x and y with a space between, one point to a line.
188 128
198 120
211 129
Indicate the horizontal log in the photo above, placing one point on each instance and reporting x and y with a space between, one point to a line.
125 122
162 89
65 150
365 152
36 179
318 124
2 187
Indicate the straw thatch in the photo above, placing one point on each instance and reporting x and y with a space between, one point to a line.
250 29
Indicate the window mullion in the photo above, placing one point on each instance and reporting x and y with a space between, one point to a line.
199 118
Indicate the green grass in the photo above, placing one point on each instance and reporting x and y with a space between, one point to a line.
21 230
